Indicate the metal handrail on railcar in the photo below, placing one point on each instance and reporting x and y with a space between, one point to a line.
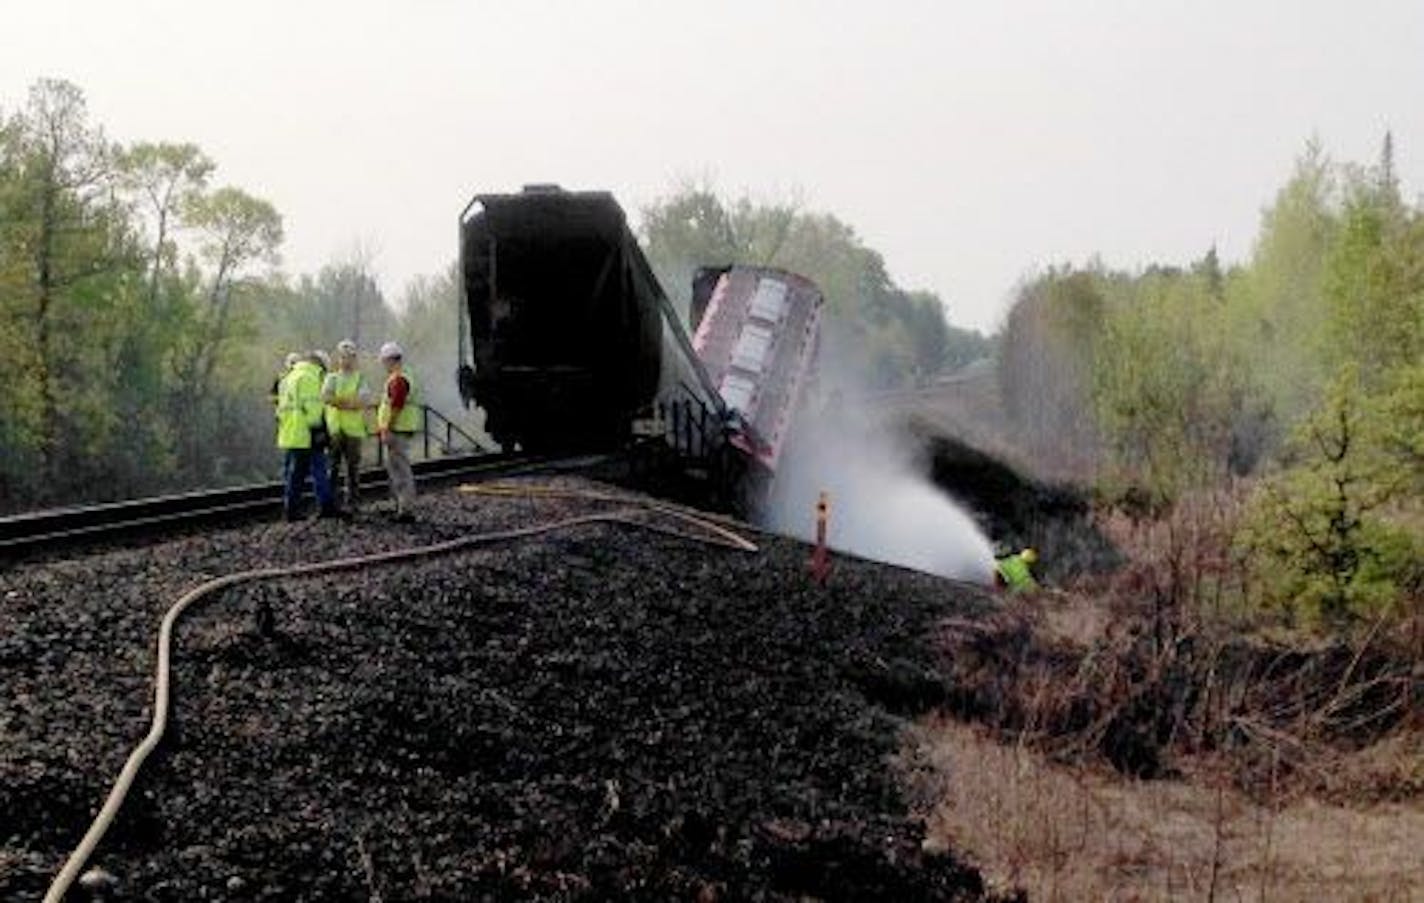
432 424
682 427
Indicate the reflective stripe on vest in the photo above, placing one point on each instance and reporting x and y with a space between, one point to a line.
407 419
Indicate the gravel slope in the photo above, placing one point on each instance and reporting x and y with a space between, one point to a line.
602 713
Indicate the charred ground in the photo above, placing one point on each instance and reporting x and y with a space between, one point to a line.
601 713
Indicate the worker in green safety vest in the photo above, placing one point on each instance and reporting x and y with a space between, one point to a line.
300 417
347 396
397 422
1015 572
287 364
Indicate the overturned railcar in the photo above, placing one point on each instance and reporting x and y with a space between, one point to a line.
574 345
758 332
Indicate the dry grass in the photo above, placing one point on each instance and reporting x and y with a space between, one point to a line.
1290 766
1089 682
1158 662
1065 833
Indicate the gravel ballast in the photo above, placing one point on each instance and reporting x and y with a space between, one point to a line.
599 713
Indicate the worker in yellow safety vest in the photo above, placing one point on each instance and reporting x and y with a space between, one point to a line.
300 420
397 422
287 364
347 397
1016 571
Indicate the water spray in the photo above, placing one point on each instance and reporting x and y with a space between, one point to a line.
901 517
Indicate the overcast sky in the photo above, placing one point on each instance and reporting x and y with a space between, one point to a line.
970 143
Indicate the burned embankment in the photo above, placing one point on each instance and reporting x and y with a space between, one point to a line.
1014 509
596 713
1121 662
1095 682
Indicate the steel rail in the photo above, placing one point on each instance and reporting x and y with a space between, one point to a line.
59 527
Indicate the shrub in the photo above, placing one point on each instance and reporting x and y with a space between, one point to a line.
1315 535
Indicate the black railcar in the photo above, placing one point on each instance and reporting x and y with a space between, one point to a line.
566 320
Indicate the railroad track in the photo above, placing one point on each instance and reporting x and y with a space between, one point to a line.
61 527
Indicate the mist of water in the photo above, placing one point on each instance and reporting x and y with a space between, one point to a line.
883 506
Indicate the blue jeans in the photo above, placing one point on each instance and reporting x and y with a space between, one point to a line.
298 464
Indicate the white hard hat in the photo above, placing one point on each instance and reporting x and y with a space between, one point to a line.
292 358
391 350
345 346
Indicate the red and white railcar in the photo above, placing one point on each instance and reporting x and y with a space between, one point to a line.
757 337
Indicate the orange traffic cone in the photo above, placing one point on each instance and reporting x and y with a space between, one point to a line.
820 563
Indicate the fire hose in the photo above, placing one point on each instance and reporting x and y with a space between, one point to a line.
720 536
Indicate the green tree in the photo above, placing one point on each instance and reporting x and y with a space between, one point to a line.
426 327
1047 355
19 410
923 317
1401 420
166 179
126 354
965 346
1168 391
1374 285
342 301
1278 312
897 337
161 179
237 233
689 229
1316 535
64 224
